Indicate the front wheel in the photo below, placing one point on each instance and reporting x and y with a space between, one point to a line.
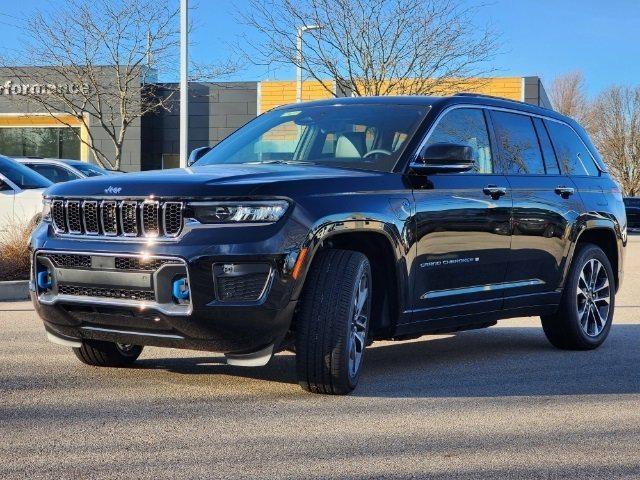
333 322
107 354
584 317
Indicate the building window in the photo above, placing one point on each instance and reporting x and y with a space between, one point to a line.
46 142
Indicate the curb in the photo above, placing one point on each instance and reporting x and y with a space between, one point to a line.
14 290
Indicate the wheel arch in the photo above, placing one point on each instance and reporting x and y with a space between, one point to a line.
606 238
381 244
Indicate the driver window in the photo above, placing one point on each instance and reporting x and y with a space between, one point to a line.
466 126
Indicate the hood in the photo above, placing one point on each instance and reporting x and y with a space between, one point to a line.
213 180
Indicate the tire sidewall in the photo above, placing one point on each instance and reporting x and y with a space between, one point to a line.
586 254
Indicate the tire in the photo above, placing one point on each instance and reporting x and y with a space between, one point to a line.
328 352
568 329
107 354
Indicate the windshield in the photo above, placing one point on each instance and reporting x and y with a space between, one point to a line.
22 176
90 170
367 136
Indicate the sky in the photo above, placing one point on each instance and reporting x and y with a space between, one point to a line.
538 37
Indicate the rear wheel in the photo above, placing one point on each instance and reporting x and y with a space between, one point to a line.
107 354
584 317
333 322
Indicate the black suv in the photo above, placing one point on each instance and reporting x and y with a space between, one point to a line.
321 227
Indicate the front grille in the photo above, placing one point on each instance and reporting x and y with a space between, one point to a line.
119 293
70 260
132 263
62 260
129 218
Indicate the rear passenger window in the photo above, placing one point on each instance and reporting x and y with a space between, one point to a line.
518 144
466 126
573 156
550 162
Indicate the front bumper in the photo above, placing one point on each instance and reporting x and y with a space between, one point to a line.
205 322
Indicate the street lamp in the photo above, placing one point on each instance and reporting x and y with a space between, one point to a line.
184 83
300 32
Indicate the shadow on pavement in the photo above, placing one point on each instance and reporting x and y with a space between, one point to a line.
505 361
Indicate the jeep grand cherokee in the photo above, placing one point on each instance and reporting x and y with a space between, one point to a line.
324 226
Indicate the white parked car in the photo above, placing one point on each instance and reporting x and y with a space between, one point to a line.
20 193
64 170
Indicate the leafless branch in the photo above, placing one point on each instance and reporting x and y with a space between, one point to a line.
374 47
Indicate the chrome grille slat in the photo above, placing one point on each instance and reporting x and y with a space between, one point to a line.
59 216
109 217
150 218
118 218
90 217
172 218
74 220
129 218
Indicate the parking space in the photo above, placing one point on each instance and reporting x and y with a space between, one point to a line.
493 403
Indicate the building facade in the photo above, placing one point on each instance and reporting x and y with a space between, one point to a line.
152 142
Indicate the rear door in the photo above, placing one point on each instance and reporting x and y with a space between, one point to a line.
544 205
462 227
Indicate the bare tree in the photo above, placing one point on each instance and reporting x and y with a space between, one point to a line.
568 97
617 135
98 56
375 47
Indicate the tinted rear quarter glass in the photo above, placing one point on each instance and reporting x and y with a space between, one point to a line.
550 161
573 156
517 144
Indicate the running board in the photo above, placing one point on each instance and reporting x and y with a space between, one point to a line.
255 359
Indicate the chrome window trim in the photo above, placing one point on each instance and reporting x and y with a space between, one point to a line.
441 115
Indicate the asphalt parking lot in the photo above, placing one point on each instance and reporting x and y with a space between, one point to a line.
494 403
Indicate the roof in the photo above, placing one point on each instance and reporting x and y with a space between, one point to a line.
442 102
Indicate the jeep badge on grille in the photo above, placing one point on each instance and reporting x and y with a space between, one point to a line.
113 190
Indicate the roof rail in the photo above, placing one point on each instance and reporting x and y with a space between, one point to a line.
484 95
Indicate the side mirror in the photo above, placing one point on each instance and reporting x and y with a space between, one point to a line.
444 158
196 154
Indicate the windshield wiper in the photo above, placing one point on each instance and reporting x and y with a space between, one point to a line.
280 162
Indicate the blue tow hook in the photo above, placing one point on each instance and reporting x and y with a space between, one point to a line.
44 280
181 289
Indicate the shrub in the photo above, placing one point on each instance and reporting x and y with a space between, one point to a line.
14 252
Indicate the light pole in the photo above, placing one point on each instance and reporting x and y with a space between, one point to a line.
300 32
184 85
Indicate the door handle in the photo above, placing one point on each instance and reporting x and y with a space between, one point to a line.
494 191
564 192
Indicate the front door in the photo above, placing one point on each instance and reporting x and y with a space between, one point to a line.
462 227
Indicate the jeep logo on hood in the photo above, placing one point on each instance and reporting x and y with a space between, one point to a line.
112 190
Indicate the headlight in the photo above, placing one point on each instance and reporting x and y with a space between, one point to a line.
46 209
239 212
